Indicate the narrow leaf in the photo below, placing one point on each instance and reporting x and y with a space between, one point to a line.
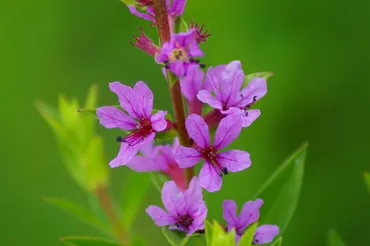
79 212
87 241
208 231
278 242
281 191
247 238
88 111
264 75
220 237
367 180
334 239
134 192
50 115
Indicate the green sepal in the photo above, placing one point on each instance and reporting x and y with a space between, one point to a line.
248 236
181 25
176 238
264 75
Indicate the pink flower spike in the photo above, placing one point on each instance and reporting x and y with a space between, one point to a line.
216 164
138 103
179 53
186 210
145 44
250 213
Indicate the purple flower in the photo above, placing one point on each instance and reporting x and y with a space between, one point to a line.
138 103
145 44
186 210
174 10
191 84
215 163
159 158
250 213
178 53
229 99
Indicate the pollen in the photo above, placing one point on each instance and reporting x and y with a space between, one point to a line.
179 55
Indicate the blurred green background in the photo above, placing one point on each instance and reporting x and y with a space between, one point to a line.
319 51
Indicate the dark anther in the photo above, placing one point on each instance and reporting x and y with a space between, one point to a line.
225 171
254 98
177 225
166 62
119 139
202 65
246 113
167 66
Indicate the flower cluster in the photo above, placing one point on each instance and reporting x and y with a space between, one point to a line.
229 111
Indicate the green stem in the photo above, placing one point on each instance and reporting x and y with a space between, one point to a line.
161 15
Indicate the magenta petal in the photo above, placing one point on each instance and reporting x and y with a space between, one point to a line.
193 195
228 130
229 213
160 217
145 164
210 178
194 49
144 98
134 11
185 38
206 97
250 116
250 213
265 234
178 68
158 120
187 157
126 153
166 49
232 79
126 96
198 130
256 88
177 7
213 77
112 117
192 82
173 199
234 160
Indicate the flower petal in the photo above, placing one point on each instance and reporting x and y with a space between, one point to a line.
193 195
229 213
144 97
250 116
194 49
206 97
177 7
187 157
198 130
158 120
228 130
265 234
213 77
234 160
112 117
232 78
178 68
209 178
250 213
145 164
173 199
126 97
166 49
256 88
144 16
126 153
192 82
160 217
185 38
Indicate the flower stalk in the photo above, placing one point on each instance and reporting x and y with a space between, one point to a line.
106 205
161 15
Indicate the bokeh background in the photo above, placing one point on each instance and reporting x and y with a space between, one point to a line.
318 50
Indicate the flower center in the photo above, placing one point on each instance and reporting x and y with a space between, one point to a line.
179 54
143 129
210 155
184 221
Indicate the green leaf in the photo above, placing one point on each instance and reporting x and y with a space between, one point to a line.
181 25
209 232
89 111
334 239
134 192
247 238
220 237
367 180
175 238
96 168
278 242
79 212
264 75
87 241
50 115
158 180
281 191
166 136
